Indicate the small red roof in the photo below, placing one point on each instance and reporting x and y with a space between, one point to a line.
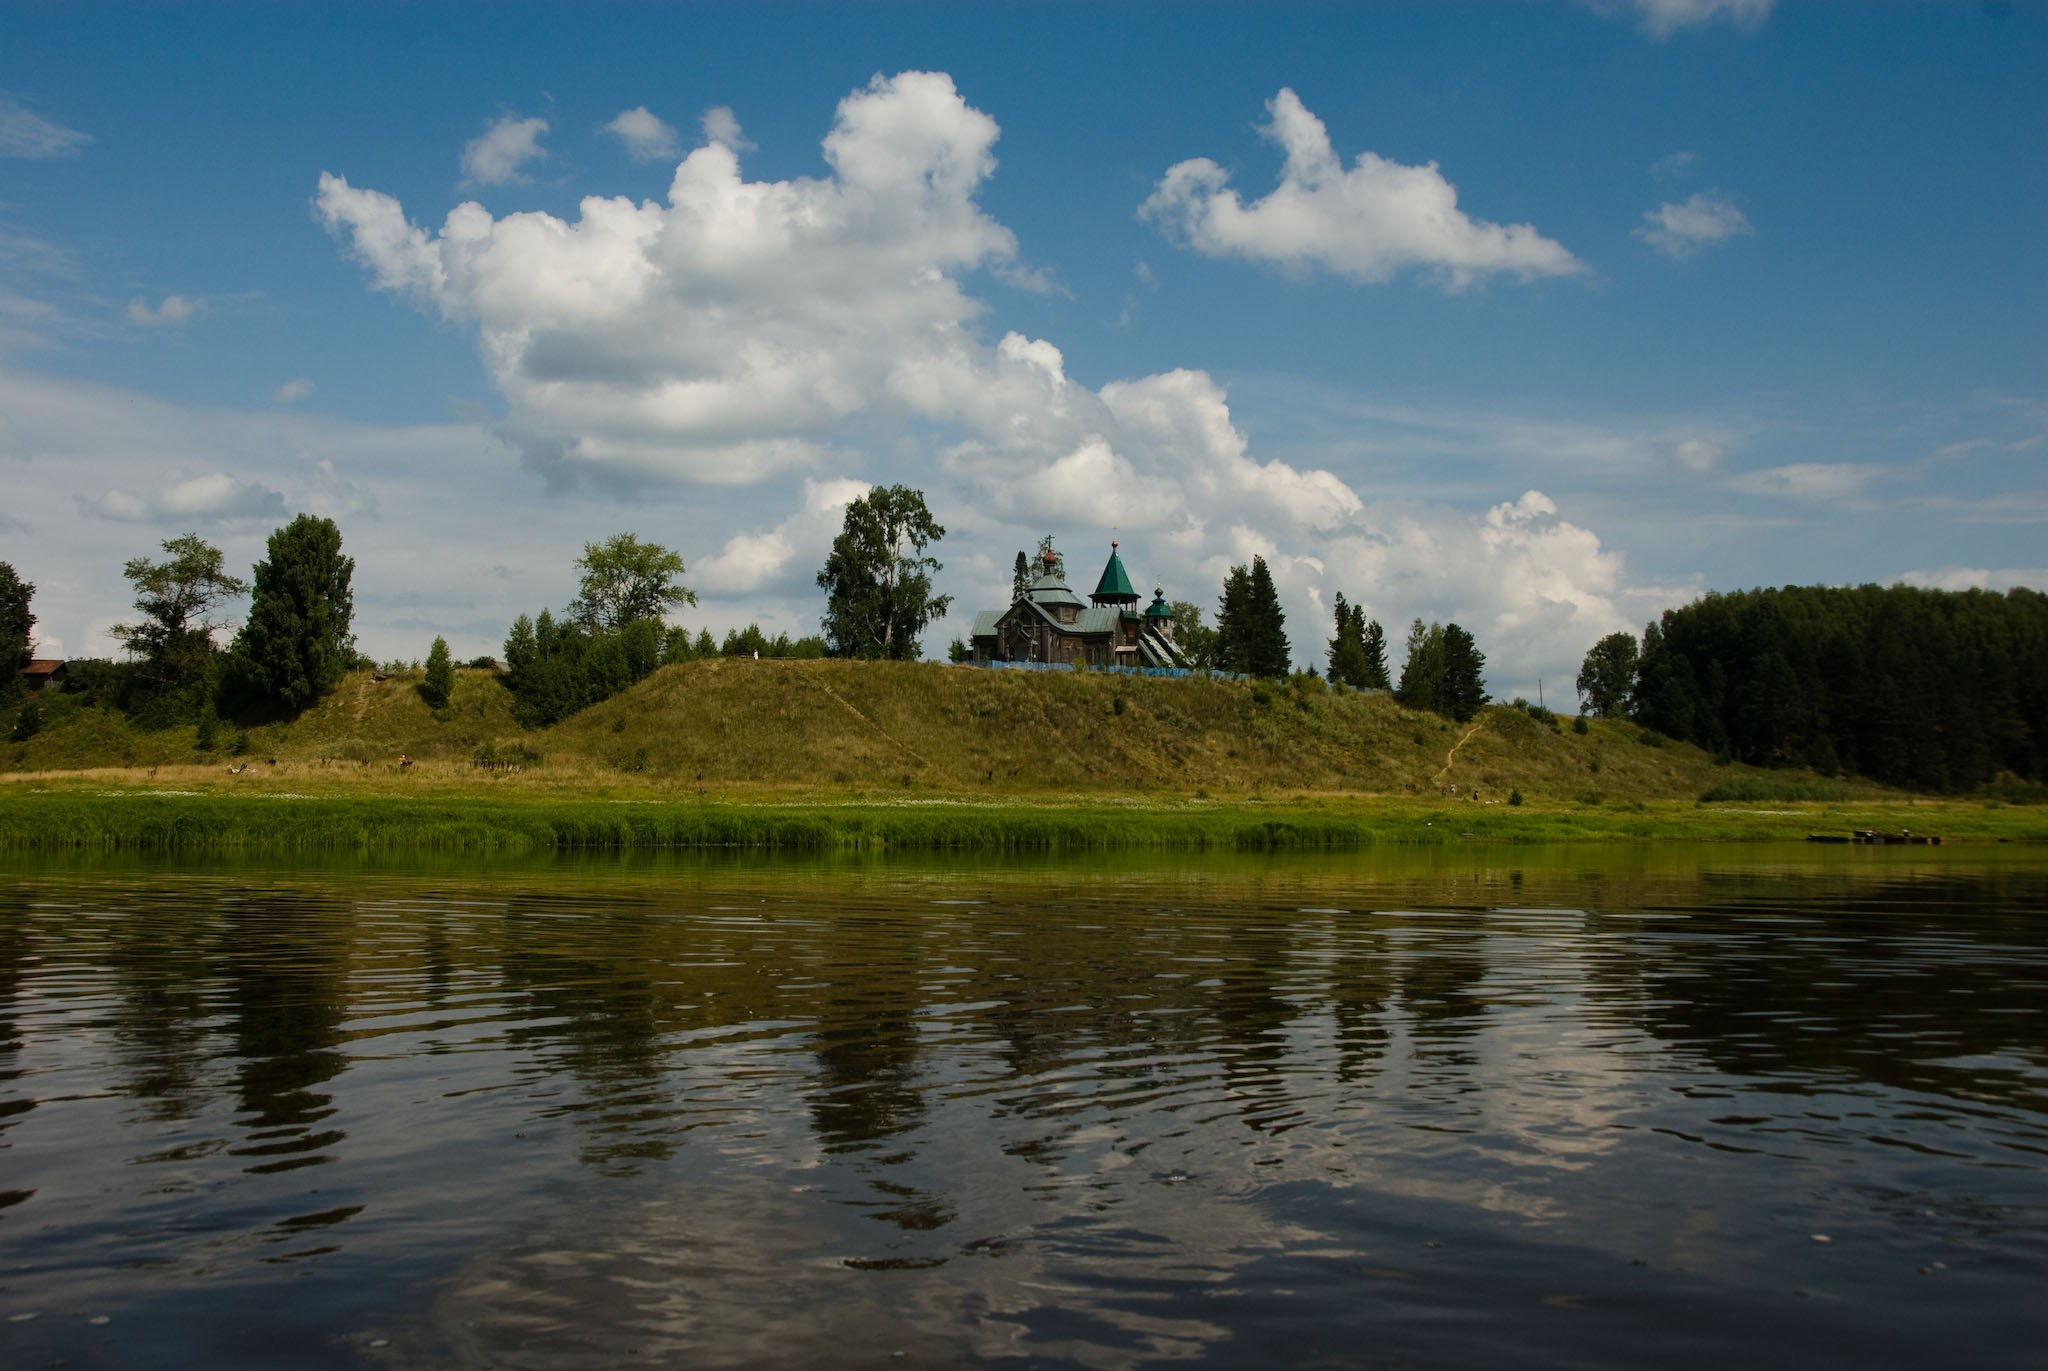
42 666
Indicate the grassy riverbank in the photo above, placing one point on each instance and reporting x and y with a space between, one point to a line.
881 757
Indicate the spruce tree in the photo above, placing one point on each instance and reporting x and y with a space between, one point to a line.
1348 662
1422 675
16 627
1373 638
440 682
1464 688
296 643
1270 655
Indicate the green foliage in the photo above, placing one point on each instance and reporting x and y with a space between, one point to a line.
1515 798
1358 652
1464 674
17 627
440 682
1579 725
27 723
1773 789
957 651
1422 674
1020 577
1251 630
877 580
1607 678
1933 690
1444 672
1197 642
625 579
751 641
556 669
172 643
296 643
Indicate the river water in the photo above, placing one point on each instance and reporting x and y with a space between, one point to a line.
1572 1107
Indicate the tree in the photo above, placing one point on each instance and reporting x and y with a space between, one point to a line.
877 580
1375 640
1422 674
1020 579
296 643
1608 676
1444 672
1464 673
17 625
1350 659
1251 635
1197 641
173 641
625 579
440 682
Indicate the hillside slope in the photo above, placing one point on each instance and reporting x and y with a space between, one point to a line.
860 726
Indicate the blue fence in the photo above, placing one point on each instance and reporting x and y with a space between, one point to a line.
1170 672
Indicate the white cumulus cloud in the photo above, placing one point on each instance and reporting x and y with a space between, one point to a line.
215 497
722 126
1697 455
1814 481
1978 578
169 312
1679 229
26 134
646 137
1365 223
793 334
1663 18
497 156
291 392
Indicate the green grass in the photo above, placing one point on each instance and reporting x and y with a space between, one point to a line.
890 756
87 815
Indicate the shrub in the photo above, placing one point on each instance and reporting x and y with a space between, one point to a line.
1514 797
1579 726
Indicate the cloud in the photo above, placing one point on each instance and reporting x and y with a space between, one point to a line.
24 133
1813 481
291 392
495 157
1663 18
1697 455
722 126
1975 578
216 497
170 312
749 354
1673 165
1680 230
1365 224
719 337
646 137
787 555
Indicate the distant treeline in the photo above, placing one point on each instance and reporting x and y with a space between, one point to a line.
1928 689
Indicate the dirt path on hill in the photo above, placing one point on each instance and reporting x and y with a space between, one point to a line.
849 707
1450 756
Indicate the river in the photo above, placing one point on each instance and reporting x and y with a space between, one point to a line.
1569 1107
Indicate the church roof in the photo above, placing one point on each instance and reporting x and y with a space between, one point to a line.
1158 609
1050 589
1115 586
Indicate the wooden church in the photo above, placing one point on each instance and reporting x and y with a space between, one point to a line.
1049 623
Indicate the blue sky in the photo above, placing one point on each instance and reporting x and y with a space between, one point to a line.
1538 317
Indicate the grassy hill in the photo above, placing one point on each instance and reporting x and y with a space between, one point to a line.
822 727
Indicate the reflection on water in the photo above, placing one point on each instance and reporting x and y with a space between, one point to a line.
1543 1108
